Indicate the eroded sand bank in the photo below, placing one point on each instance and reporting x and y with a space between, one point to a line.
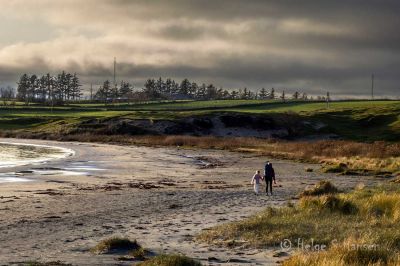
162 197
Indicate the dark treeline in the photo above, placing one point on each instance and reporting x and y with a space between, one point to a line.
49 89
66 87
155 89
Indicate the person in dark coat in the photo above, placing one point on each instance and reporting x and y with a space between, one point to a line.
269 176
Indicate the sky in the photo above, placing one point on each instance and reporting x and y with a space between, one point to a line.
310 45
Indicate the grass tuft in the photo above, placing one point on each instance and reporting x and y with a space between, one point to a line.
170 260
115 245
322 188
50 263
328 202
352 254
139 253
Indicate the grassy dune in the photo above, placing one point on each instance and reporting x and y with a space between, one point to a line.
359 228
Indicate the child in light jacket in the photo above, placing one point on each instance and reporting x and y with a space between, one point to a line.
256 181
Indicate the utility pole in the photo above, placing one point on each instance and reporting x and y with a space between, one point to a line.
372 86
328 99
114 96
91 92
50 86
115 67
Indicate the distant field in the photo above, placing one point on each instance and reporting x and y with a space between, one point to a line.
360 120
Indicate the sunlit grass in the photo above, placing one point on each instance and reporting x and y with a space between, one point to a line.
363 217
170 260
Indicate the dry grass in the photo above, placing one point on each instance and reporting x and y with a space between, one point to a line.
350 253
170 260
365 158
322 188
328 202
50 263
114 245
365 217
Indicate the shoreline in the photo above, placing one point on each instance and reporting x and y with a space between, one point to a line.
61 153
159 196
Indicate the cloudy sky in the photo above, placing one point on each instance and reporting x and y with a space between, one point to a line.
315 45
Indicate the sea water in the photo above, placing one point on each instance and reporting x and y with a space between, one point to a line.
19 154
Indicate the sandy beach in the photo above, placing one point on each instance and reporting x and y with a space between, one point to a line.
162 197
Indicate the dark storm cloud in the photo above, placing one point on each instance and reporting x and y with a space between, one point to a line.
232 43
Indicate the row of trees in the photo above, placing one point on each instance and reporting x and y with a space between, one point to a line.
170 89
108 91
66 87
49 89
7 95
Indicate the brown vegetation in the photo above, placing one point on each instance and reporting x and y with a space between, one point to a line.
322 188
348 157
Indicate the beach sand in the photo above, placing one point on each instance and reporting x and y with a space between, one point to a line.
162 197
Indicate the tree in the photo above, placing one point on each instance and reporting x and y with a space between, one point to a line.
23 87
193 89
263 94
68 88
220 92
32 89
50 88
104 92
272 94
184 88
7 94
328 99
160 86
283 96
125 89
234 94
201 92
211 92
42 87
244 94
168 86
296 95
75 87
174 87
150 89
226 95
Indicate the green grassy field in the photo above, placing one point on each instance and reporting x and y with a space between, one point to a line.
358 120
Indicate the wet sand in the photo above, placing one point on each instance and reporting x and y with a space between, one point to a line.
162 197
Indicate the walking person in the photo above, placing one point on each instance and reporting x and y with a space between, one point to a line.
256 181
269 175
